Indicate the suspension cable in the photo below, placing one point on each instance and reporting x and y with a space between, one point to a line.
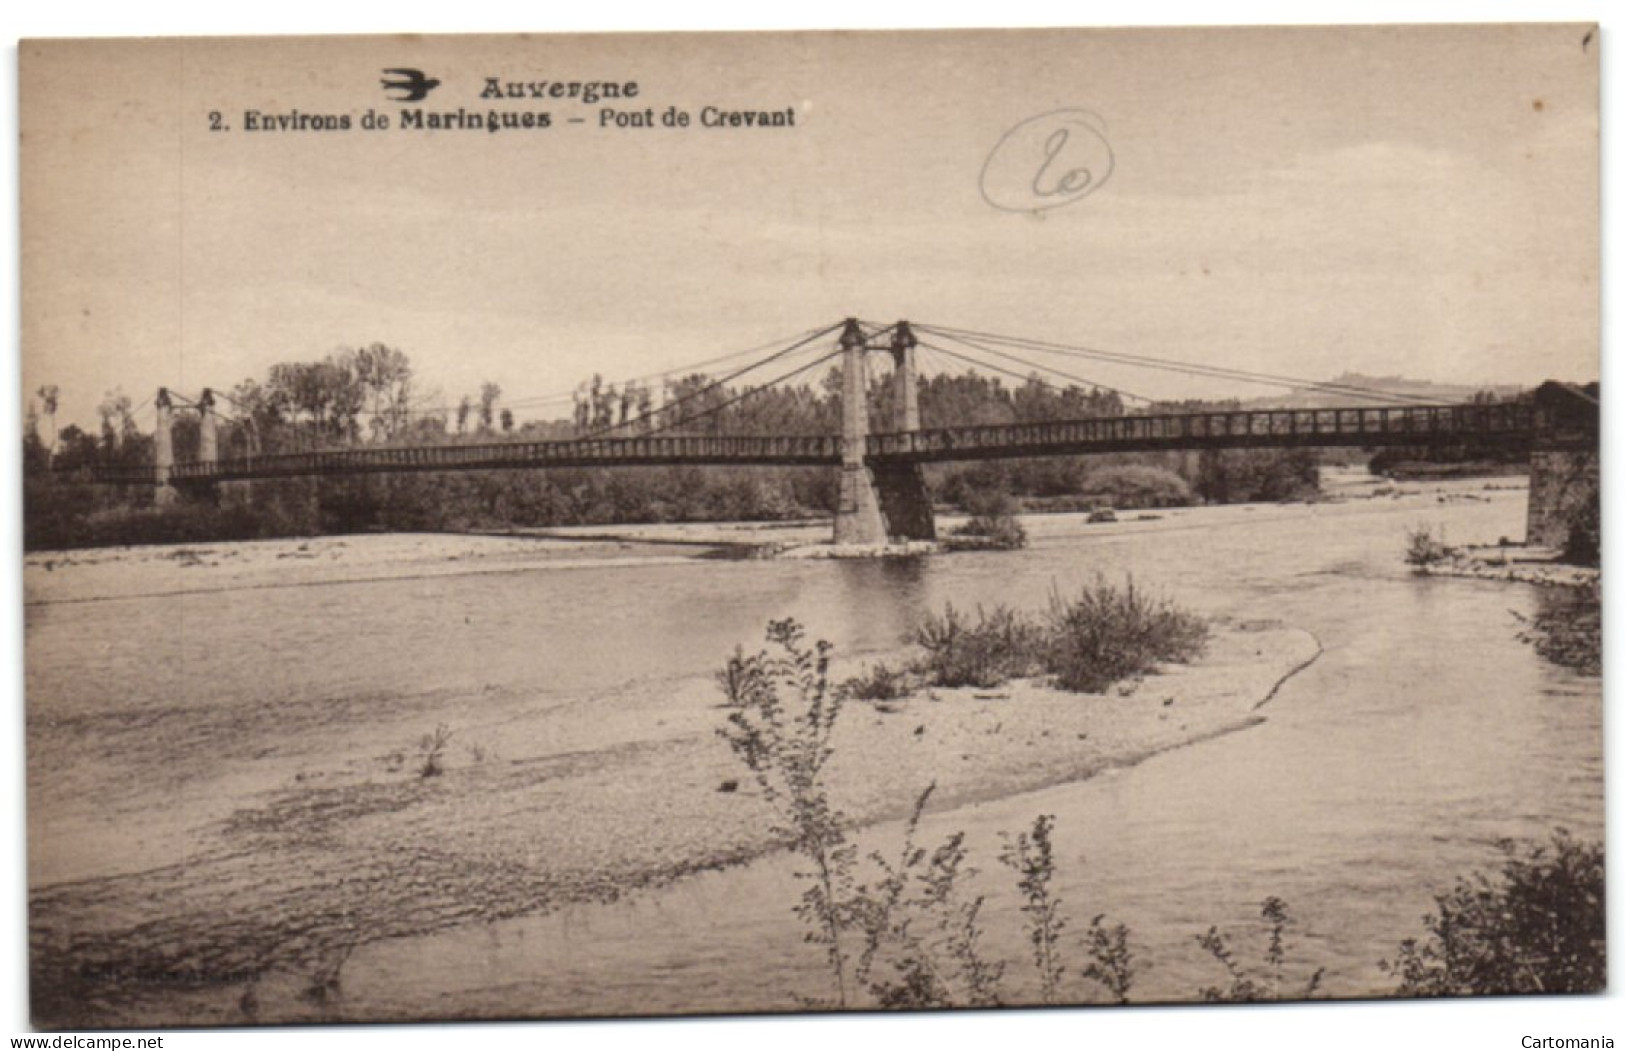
748 392
1025 377
1048 368
1171 365
723 382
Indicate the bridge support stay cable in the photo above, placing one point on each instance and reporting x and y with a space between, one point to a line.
719 384
1171 365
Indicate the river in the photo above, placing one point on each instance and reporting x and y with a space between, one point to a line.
1423 733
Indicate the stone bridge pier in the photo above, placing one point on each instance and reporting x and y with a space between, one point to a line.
879 503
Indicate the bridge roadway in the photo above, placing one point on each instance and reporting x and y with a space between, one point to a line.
1509 424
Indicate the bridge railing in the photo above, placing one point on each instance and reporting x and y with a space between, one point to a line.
1396 425
1389 425
786 449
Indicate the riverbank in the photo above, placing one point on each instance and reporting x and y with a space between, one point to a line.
1512 562
95 574
580 802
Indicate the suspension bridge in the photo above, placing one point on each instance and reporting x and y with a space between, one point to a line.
883 495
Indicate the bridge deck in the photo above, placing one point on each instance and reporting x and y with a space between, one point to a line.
1508 424
1504 424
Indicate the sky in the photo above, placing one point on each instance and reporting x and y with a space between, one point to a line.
1308 202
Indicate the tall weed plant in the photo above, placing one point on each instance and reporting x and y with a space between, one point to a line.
899 931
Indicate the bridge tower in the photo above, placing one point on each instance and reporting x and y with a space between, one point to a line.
208 429
857 512
905 502
908 393
881 502
163 449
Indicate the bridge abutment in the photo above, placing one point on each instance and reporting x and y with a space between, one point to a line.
1564 466
1561 483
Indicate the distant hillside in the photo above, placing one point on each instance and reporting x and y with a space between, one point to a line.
1441 393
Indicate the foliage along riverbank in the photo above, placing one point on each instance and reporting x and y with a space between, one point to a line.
69 511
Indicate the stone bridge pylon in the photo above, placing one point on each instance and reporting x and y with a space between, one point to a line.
163 441
883 502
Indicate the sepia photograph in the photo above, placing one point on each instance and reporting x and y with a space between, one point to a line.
557 526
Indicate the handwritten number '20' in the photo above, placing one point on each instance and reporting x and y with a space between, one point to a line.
1048 161
1071 182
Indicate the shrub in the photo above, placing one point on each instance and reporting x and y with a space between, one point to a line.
1228 476
1268 983
1567 630
1111 962
1138 485
993 518
432 749
1087 643
1536 926
1582 520
1106 634
1422 548
920 935
785 744
1001 645
1032 855
880 683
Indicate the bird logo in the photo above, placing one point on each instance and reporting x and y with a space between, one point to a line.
414 84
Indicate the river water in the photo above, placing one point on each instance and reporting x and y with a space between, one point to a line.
1425 732
1384 770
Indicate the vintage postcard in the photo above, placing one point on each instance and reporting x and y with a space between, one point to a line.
553 526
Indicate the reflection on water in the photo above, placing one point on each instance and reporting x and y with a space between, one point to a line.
1424 732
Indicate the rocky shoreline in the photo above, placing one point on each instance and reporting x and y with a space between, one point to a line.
1512 562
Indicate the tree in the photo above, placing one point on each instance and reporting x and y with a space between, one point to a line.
464 407
583 408
35 458
328 392
385 374
489 393
604 400
48 396
507 420
117 424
